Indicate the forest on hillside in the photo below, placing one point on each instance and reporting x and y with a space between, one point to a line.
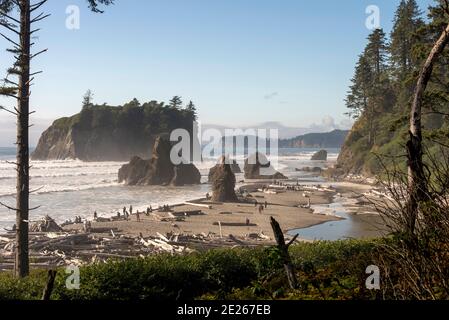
381 91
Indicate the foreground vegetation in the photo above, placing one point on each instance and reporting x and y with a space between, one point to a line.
326 270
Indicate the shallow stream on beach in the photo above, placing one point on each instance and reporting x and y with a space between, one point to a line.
357 226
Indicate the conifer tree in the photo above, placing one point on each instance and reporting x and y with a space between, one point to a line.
19 35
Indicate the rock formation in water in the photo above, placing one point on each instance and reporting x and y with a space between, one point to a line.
223 182
159 170
320 156
235 168
106 133
257 166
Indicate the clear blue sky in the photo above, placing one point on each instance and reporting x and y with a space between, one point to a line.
241 61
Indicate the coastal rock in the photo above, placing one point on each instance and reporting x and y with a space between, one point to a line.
320 156
257 166
159 170
107 133
186 174
223 183
235 168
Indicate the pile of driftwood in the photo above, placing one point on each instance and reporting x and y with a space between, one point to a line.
53 249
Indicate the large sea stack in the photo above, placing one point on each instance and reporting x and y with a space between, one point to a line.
159 170
257 166
223 183
107 133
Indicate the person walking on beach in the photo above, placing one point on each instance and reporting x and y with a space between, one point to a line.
266 205
138 216
131 210
124 211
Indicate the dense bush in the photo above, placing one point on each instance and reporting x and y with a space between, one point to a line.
328 270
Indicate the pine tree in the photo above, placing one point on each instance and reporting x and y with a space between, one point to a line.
407 22
175 102
88 99
191 108
357 99
376 52
21 28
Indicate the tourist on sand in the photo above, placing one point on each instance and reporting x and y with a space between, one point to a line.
130 210
124 211
247 221
148 211
138 216
266 205
95 215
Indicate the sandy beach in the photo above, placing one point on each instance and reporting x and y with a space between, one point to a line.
284 206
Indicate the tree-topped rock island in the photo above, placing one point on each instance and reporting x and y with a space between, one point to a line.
107 133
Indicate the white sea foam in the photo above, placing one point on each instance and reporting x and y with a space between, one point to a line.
67 188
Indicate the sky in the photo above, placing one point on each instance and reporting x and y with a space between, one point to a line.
242 62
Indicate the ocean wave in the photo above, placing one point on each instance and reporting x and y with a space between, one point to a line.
105 183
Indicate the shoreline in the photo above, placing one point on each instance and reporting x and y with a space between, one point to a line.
194 225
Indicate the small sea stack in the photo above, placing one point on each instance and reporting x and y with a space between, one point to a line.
320 156
257 166
159 170
235 168
223 183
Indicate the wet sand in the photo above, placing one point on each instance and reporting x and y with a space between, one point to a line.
283 206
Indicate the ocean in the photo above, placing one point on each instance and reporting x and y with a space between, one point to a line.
69 188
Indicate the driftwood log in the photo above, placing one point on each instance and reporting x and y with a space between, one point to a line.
285 256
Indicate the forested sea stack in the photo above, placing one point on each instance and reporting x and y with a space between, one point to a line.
159 170
223 182
106 133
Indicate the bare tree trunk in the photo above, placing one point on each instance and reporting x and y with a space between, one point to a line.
46 295
285 256
416 177
23 188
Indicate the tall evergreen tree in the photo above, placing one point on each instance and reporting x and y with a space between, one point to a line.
357 98
191 108
407 22
376 52
21 28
